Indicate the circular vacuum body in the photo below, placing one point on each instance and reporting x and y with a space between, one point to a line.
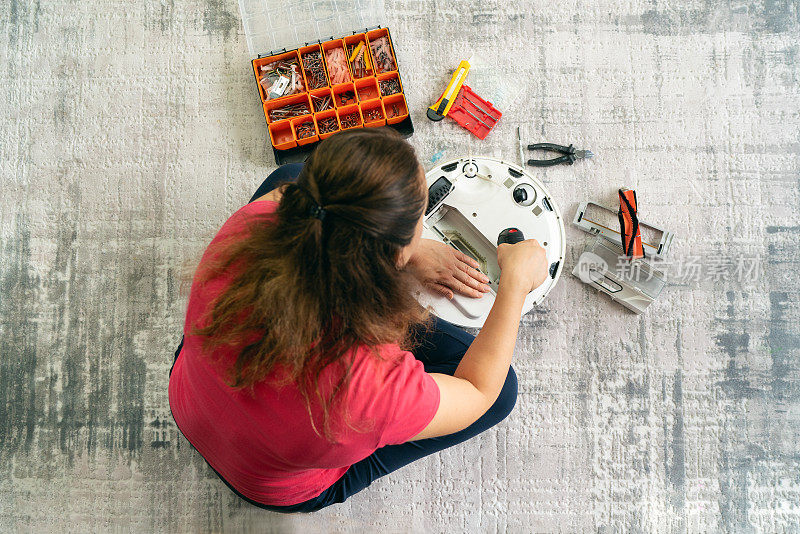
472 200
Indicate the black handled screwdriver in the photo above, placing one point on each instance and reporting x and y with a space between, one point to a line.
513 236
510 236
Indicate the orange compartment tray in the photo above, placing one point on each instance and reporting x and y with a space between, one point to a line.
366 98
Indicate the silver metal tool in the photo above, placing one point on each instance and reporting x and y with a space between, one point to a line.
471 114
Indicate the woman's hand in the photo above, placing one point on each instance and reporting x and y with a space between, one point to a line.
444 270
523 266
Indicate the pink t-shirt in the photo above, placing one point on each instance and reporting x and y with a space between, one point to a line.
264 445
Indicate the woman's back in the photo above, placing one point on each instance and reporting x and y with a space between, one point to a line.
263 443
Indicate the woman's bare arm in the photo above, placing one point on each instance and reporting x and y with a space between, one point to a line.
480 376
477 382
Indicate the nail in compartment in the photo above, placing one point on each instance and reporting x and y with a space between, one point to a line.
322 99
313 67
349 117
327 124
372 112
389 84
287 108
305 130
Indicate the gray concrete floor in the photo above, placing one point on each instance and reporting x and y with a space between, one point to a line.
131 130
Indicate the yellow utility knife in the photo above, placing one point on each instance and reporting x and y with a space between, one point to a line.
439 110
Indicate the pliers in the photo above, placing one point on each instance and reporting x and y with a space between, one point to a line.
569 154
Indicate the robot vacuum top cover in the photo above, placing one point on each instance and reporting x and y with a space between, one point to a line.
471 201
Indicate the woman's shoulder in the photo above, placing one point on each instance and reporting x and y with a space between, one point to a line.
209 279
248 212
239 224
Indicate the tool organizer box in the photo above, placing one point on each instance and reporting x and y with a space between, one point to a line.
288 30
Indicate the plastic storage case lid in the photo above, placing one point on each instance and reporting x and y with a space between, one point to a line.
274 25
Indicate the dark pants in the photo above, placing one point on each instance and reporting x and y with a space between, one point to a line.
440 350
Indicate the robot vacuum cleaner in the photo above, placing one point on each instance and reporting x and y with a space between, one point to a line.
476 203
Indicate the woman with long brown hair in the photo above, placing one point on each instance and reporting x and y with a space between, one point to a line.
307 368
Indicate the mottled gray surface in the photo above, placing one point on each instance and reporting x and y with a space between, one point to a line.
131 130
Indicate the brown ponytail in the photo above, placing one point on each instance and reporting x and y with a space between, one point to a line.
322 271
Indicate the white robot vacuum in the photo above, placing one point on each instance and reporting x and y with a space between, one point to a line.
475 203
